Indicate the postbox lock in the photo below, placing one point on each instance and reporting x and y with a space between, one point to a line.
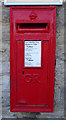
33 16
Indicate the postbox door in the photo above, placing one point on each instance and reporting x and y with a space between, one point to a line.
32 58
32 82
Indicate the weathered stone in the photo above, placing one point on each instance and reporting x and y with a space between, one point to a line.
6 51
0 88
5 28
7 114
5 31
5 14
5 67
55 114
0 67
6 83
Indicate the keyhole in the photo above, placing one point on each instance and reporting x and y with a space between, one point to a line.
23 72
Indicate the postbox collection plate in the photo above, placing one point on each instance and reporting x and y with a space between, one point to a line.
32 54
32 58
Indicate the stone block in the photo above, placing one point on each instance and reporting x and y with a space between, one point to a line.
6 82
5 67
1 67
6 51
5 31
5 13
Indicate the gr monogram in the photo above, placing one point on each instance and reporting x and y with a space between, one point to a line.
34 78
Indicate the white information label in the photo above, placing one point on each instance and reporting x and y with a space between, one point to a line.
32 53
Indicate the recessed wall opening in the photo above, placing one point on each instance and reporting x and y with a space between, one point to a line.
25 27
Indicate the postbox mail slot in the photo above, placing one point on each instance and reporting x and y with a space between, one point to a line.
32 27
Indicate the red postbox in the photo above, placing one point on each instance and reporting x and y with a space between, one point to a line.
32 58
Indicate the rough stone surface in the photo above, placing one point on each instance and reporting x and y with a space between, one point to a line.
59 69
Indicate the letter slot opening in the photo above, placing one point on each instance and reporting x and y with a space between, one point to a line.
32 27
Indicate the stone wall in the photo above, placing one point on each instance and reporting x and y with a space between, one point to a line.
0 61
5 73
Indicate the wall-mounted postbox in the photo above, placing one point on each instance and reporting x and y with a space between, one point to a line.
32 58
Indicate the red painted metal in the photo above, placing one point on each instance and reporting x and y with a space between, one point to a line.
32 88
